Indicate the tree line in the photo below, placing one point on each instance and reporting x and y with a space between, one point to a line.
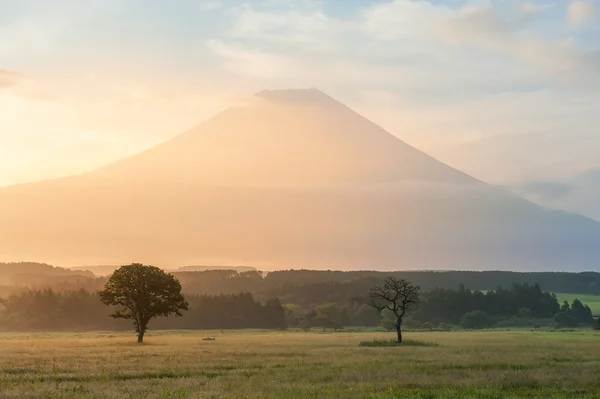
141 293
288 285
522 304
48 310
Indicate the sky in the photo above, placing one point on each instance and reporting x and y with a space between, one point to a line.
505 90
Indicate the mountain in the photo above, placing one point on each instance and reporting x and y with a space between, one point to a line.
291 178
287 138
580 193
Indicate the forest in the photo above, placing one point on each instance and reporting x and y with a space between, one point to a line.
81 310
43 297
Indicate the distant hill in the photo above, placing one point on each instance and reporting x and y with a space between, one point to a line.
107 270
102 270
292 179
239 269
24 273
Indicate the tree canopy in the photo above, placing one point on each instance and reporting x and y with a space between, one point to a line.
141 293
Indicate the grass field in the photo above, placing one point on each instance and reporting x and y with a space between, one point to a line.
301 365
593 301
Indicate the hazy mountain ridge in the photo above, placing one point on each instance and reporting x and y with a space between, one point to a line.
580 193
105 270
292 179
16 273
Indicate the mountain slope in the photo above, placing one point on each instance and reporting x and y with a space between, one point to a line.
286 137
580 194
291 179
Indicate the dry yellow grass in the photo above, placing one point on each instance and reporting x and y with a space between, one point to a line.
300 365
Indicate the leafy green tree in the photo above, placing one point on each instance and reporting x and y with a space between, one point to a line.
565 308
396 295
294 314
141 293
582 313
476 319
329 315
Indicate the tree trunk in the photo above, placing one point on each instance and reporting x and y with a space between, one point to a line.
399 331
141 336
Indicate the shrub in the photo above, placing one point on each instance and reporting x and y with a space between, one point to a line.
519 322
562 319
445 326
476 319
428 326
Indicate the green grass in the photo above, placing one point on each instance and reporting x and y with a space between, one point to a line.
394 343
464 364
593 301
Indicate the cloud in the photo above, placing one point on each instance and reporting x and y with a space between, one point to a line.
209 5
11 79
18 85
477 43
512 32
578 193
581 13
546 191
487 24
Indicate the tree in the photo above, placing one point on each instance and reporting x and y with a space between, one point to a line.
476 319
524 313
396 295
274 314
365 315
294 315
582 313
329 315
141 293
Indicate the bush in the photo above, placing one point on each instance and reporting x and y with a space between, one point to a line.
428 326
393 342
476 319
518 322
445 326
562 320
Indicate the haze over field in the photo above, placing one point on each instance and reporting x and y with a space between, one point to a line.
371 142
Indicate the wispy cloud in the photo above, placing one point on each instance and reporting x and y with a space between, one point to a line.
582 13
11 79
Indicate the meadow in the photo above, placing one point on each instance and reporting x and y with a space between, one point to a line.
593 301
180 364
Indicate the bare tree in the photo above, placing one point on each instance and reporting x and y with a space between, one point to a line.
397 295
